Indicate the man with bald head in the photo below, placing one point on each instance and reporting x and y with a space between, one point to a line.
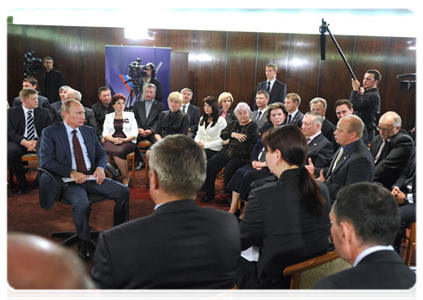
391 149
34 262
352 162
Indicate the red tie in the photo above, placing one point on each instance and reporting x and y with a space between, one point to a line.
79 157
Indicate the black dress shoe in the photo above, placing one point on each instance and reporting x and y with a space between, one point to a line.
206 198
84 250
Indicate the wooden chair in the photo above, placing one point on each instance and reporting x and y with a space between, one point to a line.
143 147
411 238
131 160
305 274
32 160
228 295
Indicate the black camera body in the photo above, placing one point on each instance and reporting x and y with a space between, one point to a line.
32 64
137 72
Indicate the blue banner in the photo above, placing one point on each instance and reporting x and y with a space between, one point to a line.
118 60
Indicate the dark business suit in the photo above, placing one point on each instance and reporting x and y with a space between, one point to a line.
320 150
50 84
100 112
230 116
277 93
356 165
150 122
327 129
172 123
297 119
194 114
261 121
379 270
407 184
42 102
394 158
179 246
16 126
55 156
280 224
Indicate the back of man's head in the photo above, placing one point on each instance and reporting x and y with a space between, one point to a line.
180 165
34 262
371 209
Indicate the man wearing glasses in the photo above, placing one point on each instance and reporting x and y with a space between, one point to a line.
391 149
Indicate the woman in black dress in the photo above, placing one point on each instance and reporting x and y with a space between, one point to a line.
120 133
238 141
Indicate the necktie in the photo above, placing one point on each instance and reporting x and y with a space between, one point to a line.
268 87
259 116
338 158
379 154
30 129
308 140
289 119
79 157
184 108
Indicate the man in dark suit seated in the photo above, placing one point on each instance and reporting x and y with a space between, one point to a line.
259 116
343 107
25 124
320 150
102 108
391 149
180 245
292 103
55 106
365 221
274 87
35 262
194 113
320 105
352 162
72 150
31 83
406 191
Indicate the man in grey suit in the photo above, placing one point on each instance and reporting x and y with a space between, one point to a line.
365 221
31 83
320 150
292 103
260 115
275 88
194 113
180 245
352 162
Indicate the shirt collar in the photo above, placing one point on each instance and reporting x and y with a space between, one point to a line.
69 129
369 251
26 110
313 136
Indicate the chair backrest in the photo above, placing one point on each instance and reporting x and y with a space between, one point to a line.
305 274
228 295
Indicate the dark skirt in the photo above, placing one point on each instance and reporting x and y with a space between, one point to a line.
121 150
243 177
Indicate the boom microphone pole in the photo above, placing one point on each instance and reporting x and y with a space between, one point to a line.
322 30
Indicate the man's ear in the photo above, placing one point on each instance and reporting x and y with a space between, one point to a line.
154 180
347 232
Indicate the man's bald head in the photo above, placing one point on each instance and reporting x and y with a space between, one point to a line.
34 262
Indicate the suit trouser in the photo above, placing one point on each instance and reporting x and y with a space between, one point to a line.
14 161
408 216
77 196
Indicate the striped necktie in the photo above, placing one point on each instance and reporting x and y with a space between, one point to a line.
30 128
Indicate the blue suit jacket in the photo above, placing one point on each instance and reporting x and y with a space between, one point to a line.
55 156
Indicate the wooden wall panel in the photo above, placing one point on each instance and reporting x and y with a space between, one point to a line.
218 61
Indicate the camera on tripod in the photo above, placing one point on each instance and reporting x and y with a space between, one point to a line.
412 84
137 72
32 64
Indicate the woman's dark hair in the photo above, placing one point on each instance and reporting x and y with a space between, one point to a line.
276 105
212 101
291 143
117 97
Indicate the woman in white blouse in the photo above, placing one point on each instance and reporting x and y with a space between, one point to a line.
120 133
210 126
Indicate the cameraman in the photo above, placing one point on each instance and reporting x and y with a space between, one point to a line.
150 77
51 81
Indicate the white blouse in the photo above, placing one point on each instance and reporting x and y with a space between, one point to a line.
210 136
130 125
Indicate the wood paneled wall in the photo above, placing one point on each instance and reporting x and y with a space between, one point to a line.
210 62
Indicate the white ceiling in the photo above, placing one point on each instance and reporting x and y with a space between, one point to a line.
368 22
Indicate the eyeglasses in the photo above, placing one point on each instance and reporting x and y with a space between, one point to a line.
384 129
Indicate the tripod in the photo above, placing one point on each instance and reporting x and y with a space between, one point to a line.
134 95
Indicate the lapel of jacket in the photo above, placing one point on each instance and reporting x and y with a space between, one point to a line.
64 141
89 143
21 121
345 157
376 146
